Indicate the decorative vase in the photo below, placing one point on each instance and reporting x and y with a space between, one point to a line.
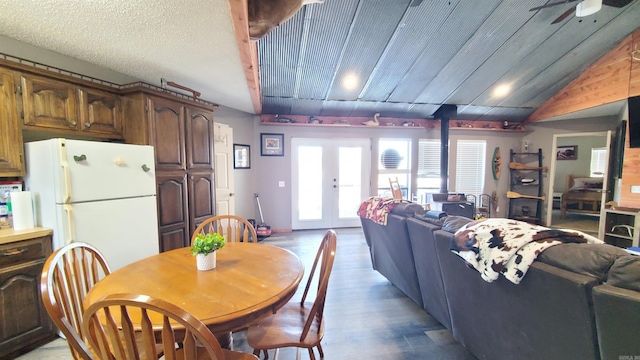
206 262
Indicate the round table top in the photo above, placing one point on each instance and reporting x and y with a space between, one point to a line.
250 281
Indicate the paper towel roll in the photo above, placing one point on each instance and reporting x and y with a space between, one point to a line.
22 207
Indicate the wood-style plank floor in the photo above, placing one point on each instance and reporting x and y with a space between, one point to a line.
366 316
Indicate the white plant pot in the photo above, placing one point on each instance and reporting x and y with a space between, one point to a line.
206 262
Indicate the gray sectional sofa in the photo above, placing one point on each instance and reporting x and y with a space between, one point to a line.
577 301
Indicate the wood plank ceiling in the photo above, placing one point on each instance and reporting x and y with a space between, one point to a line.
408 60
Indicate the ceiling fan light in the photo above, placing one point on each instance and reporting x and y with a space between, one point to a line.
588 7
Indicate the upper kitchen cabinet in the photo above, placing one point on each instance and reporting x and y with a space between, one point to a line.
199 138
11 163
100 112
48 103
181 132
68 109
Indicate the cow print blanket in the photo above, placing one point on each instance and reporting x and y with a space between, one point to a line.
508 247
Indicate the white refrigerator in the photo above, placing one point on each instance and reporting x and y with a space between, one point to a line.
100 193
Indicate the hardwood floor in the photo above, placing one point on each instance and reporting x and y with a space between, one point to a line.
366 316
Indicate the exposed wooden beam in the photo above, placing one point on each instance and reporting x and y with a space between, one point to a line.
248 51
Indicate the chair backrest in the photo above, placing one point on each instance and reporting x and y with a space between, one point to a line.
324 262
68 275
121 326
233 228
396 192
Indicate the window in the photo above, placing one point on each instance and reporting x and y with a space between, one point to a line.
428 168
598 162
470 166
397 159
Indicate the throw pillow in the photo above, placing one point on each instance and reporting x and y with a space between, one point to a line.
625 273
587 259
453 223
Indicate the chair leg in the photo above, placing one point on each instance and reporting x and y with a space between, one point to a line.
320 351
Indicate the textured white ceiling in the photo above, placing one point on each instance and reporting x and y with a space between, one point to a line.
190 42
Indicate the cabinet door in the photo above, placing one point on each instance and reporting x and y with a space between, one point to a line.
24 321
201 198
49 103
100 112
173 213
167 133
10 135
199 138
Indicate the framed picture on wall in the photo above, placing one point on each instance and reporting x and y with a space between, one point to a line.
241 156
569 152
271 144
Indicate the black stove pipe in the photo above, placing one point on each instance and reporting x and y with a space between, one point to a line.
444 113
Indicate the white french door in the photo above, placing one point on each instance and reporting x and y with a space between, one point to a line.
330 179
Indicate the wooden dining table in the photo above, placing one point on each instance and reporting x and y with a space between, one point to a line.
250 281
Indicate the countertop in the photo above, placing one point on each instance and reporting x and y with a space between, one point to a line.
11 235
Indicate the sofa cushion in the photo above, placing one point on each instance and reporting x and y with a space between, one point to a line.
436 222
625 273
407 209
453 223
587 259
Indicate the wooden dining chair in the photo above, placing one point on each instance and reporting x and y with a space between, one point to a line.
299 324
68 275
120 327
396 192
232 227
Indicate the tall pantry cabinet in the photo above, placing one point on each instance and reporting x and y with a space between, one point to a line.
181 130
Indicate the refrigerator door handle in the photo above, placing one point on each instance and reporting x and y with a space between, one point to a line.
65 171
72 231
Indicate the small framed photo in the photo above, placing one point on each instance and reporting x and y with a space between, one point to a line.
569 152
271 144
241 156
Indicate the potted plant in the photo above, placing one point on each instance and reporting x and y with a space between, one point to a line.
204 249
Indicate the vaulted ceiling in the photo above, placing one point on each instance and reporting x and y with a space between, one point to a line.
408 60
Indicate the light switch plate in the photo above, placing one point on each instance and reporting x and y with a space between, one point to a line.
635 189
281 183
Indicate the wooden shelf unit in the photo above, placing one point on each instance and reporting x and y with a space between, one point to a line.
386 123
526 209
621 227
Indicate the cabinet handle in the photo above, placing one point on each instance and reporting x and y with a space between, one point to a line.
72 123
14 252
87 125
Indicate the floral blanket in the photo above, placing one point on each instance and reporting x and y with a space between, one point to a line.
508 247
376 208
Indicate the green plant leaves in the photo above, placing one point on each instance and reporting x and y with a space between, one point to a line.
207 243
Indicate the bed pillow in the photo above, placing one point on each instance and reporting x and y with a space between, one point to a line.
587 183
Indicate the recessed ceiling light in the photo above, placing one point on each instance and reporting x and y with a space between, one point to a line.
502 90
350 81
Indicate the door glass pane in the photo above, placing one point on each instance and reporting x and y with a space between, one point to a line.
310 182
350 181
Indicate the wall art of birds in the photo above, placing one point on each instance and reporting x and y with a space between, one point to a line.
373 122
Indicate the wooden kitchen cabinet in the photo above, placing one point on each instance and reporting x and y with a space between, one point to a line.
48 103
181 130
100 112
173 211
69 109
201 195
24 322
199 124
11 151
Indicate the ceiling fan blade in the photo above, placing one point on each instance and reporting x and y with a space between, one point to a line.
415 3
551 5
616 3
564 15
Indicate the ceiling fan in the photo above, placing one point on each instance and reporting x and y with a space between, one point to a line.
583 8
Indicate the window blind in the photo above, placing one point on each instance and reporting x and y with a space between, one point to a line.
470 166
598 162
429 159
